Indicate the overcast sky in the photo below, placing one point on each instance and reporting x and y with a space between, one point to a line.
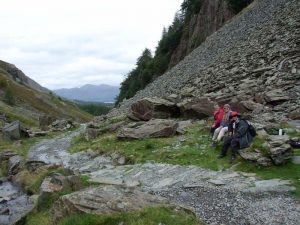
69 43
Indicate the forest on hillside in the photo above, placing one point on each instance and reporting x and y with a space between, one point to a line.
150 66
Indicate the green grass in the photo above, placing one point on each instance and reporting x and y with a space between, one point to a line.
148 216
195 150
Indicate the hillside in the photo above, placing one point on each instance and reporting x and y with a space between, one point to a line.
254 57
89 92
193 23
23 99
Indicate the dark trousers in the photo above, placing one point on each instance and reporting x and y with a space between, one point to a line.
233 143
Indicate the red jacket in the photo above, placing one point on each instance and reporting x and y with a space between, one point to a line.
218 115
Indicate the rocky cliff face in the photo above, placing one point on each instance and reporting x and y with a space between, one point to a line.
253 59
211 17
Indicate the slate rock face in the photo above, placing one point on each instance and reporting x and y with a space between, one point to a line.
251 58
104 200
199 108
148 108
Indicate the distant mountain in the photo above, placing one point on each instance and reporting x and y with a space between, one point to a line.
91 93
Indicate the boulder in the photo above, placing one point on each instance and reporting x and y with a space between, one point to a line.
148 108
295 115
91 134
250 155
33 165
14 165
45 121
183 125
104 200
252 106
279 149
12 131
58 182
276 96
62 124
197 108
264 161
151 129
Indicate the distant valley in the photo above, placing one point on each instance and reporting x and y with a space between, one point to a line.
90 93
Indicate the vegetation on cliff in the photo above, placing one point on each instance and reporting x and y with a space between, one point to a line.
149 67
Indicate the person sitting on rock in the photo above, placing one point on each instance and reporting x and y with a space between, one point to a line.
223 128
240 138
218 115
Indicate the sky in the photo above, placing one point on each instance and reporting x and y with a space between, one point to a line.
69 43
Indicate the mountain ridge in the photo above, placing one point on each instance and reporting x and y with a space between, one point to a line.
90 92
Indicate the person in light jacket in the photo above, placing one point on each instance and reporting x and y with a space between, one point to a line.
223 128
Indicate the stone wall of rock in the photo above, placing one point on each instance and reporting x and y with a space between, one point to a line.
252 61
211 17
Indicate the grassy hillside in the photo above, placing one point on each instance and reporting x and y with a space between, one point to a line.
20 102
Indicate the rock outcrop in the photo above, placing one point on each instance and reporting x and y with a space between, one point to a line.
104 200
153 128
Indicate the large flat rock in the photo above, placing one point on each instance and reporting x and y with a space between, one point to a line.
104 200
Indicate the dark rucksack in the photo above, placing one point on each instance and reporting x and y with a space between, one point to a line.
252 130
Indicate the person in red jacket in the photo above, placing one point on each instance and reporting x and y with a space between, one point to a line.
218 115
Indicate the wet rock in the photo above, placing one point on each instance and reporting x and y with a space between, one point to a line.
12 131
104 200
197 108
148 108
153 128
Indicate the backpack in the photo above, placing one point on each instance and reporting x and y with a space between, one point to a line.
295 143
252 130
